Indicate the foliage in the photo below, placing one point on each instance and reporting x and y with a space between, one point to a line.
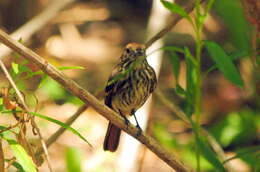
233 129
15 135
73 160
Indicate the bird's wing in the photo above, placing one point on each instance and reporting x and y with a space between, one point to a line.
113 86
154 80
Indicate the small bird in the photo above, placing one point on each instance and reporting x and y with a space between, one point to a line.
128 87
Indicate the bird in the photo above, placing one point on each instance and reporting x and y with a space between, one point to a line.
128 87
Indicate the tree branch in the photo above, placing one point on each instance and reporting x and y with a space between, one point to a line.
174 20
88 98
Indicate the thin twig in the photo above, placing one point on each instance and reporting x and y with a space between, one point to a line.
175 19
2 157
21 98
10 127
86 97
10 162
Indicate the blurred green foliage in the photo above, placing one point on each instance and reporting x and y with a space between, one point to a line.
73 160
232 14
224 63
237 128
56 92
160 132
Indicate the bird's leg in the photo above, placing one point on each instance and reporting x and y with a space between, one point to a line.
126 120
137 124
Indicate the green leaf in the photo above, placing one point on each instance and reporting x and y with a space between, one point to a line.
173 49
22 157
70 67
191 80
233 56
54 90
209 154
175 61
15 67
73 160
61 124
18 167
1 107
224 63
23 68
174 8
39 72
179 90
233 15
209 6
201 19
238 55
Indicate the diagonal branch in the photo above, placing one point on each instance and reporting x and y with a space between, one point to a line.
88 98
166 29
174 20
149 142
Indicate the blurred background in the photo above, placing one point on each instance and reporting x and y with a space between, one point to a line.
92 33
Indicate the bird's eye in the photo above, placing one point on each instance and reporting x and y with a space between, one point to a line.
127 50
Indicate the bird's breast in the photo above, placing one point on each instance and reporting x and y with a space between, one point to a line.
133 91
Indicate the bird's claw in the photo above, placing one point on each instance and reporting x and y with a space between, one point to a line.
139 132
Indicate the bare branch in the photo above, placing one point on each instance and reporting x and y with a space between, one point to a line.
175 19
88 98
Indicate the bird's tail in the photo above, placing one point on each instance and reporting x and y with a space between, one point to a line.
112 138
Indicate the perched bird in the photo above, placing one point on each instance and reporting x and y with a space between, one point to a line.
128 87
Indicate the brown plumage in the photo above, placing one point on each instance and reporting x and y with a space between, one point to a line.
128 87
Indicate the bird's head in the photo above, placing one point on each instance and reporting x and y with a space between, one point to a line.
132 51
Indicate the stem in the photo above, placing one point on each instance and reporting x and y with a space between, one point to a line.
198 101
199 44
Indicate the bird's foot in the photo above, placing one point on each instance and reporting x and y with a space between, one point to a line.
126 121
139 132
